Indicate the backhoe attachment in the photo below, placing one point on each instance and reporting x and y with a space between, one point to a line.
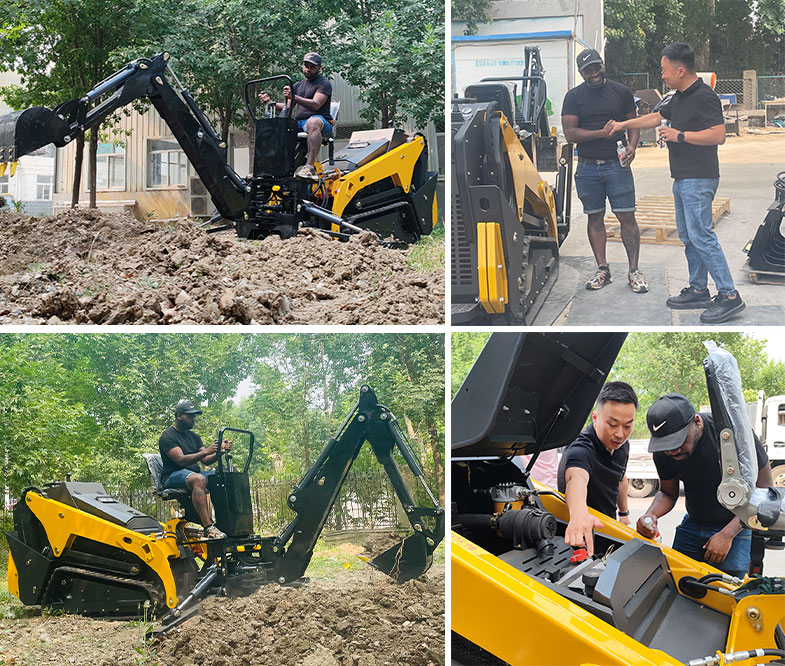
314 496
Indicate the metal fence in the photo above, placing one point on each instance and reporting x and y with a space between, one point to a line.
770 87
633 80
731 87
364 503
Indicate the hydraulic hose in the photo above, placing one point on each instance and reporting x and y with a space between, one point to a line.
730 657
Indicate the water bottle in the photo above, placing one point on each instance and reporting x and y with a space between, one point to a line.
661 142
650 524
620 151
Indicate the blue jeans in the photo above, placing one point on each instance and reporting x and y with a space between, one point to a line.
177 479
595 182
691 536
693 198
327 128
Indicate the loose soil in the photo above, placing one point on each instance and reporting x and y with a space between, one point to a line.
84 266
356 618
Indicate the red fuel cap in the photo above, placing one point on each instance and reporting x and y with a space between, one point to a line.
578 555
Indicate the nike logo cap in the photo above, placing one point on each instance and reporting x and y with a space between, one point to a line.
588 57
669 421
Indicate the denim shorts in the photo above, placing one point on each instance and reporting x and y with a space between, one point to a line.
177 479
692 535
596 182
327 128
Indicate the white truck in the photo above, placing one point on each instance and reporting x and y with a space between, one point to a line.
767 417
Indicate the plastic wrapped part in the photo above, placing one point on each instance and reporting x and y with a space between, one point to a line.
721 368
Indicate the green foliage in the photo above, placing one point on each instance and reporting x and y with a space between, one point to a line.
427 256
728 35
473 12
394 53
466 347
90 404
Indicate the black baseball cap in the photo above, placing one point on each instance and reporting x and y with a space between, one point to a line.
669 421
315 58
588 57
186 407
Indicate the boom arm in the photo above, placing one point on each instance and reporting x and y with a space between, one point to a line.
22 132
314 496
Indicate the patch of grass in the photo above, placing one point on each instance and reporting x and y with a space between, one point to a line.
329 561
427 256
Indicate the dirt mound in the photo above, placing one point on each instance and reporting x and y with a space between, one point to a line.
357 618
362 619
88 267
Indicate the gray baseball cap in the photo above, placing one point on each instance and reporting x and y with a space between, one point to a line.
315 58
588 57
669 420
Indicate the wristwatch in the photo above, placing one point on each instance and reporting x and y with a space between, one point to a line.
680 137
623 513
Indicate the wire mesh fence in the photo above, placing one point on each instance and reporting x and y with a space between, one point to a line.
633 80
770 87
367 501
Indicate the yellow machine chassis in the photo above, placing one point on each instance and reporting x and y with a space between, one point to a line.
397 164
525 623
64 523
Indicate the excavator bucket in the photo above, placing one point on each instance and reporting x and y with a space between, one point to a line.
22 132
405 560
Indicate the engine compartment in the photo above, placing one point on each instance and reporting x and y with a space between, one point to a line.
628 583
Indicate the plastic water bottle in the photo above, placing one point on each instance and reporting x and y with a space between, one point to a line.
661 142
620 151
650 524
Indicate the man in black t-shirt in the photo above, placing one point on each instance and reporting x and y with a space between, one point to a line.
697 127
181 452
313 96
685 447
592 468
586 112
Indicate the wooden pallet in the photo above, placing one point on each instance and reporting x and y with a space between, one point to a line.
656 217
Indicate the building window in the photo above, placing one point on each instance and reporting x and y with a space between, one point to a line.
166 164
110 167
43 188
4 183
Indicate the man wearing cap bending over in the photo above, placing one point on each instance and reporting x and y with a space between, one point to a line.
592 468
586 115
181 452
312 96
685 447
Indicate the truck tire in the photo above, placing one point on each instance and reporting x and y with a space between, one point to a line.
646 487
778 474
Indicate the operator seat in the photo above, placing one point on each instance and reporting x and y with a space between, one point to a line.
156 467
328 141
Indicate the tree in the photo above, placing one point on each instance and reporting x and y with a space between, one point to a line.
394 54
61 49
473 12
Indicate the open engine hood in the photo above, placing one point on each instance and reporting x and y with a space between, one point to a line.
526 388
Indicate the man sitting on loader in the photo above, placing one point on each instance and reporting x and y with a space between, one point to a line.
181 452
313 96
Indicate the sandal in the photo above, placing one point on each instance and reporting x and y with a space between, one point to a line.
637 282
600 279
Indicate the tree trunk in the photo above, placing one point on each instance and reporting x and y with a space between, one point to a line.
434 444
91 175
78 158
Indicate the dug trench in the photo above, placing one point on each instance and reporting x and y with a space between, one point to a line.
357 617
84 266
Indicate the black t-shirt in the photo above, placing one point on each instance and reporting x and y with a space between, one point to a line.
188 441
308 89
692 110
701 474
605 470
594 108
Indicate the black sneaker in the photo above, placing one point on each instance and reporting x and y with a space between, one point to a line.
722 309
689 299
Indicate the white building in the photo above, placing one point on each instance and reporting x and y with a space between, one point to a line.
561 29
31 185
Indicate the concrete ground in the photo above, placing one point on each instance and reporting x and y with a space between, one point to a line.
773 560
748 167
